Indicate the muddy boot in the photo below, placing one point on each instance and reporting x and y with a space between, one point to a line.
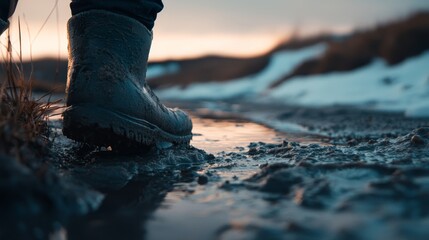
108 99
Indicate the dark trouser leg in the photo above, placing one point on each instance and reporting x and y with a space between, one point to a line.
7 8
144 11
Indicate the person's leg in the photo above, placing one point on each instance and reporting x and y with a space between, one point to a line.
108 99
144 11
7 8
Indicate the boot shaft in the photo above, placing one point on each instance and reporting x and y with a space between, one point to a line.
105 50
107 92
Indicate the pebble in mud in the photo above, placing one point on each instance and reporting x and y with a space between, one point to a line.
417 140
281 182
202 180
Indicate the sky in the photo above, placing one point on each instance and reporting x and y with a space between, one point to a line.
189 28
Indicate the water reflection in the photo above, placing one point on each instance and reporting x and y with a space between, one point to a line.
231 135
214 135
155 200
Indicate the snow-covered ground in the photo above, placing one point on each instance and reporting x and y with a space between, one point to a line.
403 87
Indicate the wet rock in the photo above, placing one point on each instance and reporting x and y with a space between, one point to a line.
278 150
264 165
352 142
202 180
417 140
281 181
423 131
228 186
105 176
313 194
401 186
253 151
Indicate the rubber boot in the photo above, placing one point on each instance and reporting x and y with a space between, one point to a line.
108 99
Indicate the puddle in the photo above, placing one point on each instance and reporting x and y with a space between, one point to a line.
229 135
215 135
160 206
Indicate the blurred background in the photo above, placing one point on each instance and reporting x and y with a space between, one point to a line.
189 28
373 54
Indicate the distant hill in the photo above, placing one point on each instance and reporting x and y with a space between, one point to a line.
47 74
394 42
51 74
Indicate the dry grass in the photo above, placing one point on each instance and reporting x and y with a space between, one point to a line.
23 120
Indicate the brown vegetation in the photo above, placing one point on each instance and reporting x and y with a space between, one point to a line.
210 68
22 119
393 42
297 42
47 74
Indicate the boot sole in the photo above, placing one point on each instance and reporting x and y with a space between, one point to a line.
102 127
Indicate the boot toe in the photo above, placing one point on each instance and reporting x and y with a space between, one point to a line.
184 121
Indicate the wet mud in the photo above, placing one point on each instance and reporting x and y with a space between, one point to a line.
349 174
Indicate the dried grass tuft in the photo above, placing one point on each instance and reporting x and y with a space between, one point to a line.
23 120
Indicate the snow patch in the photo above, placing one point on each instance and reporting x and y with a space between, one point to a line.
403 87
158 70
280 64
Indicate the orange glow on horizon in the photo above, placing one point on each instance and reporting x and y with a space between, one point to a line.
189 29
164 46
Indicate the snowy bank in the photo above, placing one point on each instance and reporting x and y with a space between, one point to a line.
280 64
403 87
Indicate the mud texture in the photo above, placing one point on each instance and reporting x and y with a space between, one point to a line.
35 200
351 122
366 178
376 188
82 192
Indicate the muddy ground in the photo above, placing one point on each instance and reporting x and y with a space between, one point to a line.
304 173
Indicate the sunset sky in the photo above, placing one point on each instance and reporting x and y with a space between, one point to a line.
189 28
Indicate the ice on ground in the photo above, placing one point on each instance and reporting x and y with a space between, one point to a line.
403 87
280 64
